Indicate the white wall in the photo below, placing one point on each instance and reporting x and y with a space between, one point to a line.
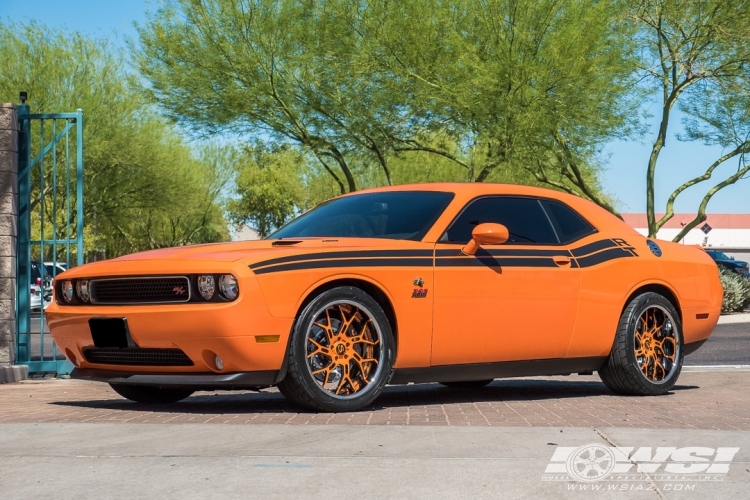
716 238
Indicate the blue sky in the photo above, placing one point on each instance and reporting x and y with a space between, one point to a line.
625 177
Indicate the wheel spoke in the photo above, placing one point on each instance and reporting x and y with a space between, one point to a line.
344 322
319 349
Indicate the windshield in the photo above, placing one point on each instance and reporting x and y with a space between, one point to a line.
397 215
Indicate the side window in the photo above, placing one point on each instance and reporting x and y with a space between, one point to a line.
568 224
524 218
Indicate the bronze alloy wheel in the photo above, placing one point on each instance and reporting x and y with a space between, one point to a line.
655 343
344 349
341 352
646 356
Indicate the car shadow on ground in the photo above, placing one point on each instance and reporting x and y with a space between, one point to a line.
415 395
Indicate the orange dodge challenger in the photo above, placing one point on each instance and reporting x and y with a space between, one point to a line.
452 283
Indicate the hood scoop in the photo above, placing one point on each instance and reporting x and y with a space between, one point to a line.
285 243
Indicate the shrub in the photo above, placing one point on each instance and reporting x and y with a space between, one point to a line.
736 291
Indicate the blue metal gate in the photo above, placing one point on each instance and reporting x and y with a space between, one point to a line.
50 226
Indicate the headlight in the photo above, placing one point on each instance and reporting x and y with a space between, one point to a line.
66 287
82 288
228 286
206 286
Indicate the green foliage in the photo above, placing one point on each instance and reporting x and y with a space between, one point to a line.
695 56
269 189
380 92
736 291
144 187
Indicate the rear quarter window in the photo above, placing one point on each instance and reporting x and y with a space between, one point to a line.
568 224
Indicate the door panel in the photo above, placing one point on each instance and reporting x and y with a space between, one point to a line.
507 302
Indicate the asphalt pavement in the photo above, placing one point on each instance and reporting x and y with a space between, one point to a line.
728 345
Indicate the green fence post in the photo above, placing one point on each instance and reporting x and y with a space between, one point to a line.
23 249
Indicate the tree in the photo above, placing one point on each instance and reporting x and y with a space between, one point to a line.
518 85
269 189
144 187
696 55
521 90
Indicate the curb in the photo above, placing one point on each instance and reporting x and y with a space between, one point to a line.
729 319
716 368
13 373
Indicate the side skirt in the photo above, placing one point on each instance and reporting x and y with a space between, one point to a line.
505 369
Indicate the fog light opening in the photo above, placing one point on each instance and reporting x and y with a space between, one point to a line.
218 362
71 357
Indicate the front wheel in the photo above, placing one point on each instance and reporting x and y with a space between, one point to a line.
646 357
341 352
145 394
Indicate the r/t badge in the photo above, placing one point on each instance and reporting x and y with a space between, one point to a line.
419 292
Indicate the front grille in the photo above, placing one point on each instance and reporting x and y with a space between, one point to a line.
162 289
136 356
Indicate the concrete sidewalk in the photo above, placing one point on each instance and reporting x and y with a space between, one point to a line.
728 319
336 462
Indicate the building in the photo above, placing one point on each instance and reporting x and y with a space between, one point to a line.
245 233
729 233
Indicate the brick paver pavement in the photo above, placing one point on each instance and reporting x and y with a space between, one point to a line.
701 400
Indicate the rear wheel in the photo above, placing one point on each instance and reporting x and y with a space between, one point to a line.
646 358
467 384
341 352
145 394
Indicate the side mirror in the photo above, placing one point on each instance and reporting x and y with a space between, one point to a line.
486 234
732 257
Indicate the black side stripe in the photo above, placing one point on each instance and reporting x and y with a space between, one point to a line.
586 256
593 247
504 252
495 262
295 266
601 257
343 255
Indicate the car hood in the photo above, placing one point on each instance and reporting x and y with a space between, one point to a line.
253 251
178 259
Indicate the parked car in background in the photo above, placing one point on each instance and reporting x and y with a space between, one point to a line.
35 298
725 261
55 268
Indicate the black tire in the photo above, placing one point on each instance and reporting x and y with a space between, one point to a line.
467 384
301 387
622 372
146 394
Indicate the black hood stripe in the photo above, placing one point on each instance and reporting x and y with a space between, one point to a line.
343 255
296 266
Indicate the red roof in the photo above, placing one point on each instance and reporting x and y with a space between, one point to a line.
716 221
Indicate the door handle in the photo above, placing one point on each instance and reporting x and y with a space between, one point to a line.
562 261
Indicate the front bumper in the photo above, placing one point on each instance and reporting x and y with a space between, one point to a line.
193 381
243 332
